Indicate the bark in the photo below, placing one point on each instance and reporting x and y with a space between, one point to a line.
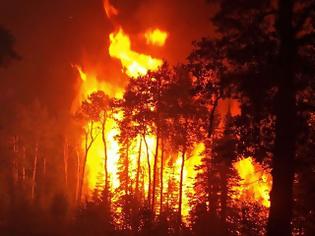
155 171
89 140
77 178
224 193
149 169
106 183
127 169
44 166
34 171
161 177
15 163
23 164
281 196
212 192
181 186
138 168
212 199
211 116
65 160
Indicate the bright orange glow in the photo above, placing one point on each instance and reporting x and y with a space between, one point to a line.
256 182
89 83
110 10
134 64
156 37
95 161
189 175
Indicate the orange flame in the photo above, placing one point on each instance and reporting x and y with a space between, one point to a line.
135 64
95 161
110 10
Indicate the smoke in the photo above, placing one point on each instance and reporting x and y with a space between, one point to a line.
53 35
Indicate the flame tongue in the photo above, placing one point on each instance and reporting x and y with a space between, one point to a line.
135 64
110 10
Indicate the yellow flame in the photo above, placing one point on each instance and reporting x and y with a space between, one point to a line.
135 64
89 83
156 37
95 161
189 177
256 182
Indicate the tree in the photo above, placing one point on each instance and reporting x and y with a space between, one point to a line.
35 128
262 46
186 122
138 115
7 52
143 106
100 104
88 116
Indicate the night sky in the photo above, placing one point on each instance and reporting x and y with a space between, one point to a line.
53 35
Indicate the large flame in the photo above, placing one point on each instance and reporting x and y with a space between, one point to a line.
95 161
255 182
135 64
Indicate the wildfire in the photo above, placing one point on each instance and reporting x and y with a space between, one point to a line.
256 182
189 175
89 83
95 161
135 64
156 37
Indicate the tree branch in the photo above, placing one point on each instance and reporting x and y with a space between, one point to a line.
307 39
303 17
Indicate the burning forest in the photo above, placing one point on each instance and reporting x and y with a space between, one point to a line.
177 118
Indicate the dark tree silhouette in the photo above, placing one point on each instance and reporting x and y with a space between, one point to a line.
7 52
262 46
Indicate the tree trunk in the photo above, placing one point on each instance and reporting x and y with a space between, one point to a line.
106 183
34 172
138 168
15 161
82 174
212 195
149 169
155 171
224 193
77 178
281 196
88 145
44 167
127 192
65 160
161 177
212 192
181 186
23 165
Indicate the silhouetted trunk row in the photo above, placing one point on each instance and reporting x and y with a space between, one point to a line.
281 195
